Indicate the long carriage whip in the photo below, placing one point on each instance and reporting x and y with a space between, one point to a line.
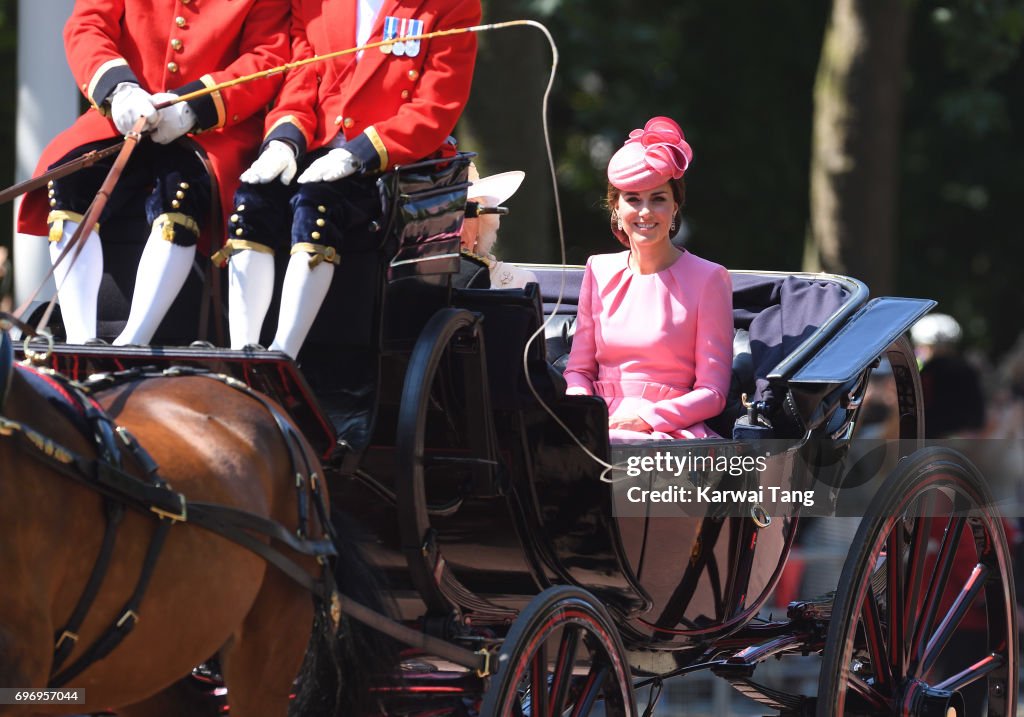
125 148
202 92
90 158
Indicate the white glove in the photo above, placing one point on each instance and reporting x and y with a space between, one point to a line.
173 121
336 164
128 102
277 160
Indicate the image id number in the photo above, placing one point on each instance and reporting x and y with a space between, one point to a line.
28 696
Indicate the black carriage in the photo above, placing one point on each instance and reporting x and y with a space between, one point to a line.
441 416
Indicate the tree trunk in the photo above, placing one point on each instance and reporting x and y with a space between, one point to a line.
855 152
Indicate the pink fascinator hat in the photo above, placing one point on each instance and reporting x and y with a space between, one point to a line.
650 157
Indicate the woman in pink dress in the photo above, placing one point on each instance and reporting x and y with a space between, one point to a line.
654 325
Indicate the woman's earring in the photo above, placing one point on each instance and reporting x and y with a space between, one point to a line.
618 223
672 228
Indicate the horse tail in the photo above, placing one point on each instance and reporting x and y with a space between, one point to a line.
342 666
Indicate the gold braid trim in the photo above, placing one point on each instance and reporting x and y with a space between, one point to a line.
168 222
294 122
103 69
233 246
218 102
378 144
56 219
318 253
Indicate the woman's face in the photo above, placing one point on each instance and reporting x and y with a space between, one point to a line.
647 216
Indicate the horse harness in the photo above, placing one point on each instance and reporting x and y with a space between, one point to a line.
152 494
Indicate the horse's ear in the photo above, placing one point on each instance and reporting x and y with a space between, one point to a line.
6 365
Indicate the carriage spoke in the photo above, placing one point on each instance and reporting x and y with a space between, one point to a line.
564 664
562 629
916 562
972 674
539 682
867 693
591 689
894 599
929 546
874 637
933 596
968 594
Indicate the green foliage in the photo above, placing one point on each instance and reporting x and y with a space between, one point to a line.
960 237
738 76
738 85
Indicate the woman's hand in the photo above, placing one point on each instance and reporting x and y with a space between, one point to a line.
630 423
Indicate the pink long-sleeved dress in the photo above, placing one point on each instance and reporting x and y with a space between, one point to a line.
654 345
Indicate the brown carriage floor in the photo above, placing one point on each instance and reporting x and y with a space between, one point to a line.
270 372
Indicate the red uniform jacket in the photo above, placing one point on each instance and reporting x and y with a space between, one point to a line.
393 109
175 47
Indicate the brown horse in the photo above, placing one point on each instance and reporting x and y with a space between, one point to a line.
207 595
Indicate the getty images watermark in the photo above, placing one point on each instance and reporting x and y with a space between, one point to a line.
675 465
784 477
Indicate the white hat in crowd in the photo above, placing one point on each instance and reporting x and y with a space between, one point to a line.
936 330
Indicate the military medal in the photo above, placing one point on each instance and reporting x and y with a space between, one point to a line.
390 33
412 47
395 27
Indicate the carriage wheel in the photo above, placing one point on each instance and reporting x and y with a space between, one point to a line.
563 655
923 621
427 569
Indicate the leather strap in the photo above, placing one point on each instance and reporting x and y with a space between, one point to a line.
67 637
129 615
